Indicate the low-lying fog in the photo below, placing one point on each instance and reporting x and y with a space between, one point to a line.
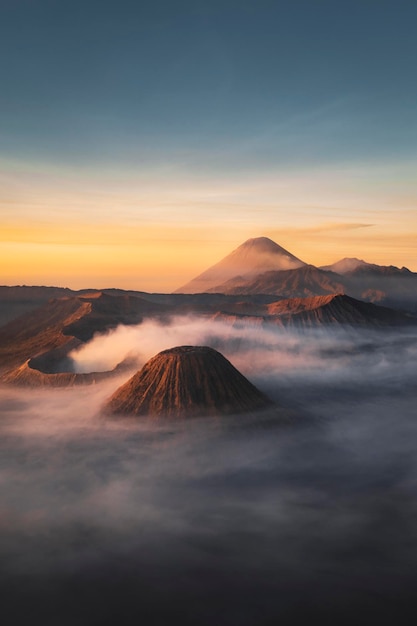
217 521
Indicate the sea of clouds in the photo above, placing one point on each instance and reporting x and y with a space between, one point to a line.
235 521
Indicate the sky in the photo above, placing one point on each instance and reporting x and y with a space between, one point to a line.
140 142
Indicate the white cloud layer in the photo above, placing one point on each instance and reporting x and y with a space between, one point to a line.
217 521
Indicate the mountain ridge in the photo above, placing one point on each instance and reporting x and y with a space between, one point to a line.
352 265
307 280
34 348
322 311
62 324
387 285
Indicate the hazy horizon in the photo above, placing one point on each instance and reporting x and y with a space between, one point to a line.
119 283
141 143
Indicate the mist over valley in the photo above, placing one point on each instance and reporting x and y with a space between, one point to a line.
302 506
238 520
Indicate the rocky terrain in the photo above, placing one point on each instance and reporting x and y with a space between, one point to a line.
34 347
258 283
322 311
187 381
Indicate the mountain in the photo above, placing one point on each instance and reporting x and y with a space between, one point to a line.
297 283
109 311
187 381
353 266
40 341
260 267
44 337
384 284
338 309
40 331
344 266
253 257
318 311
20 299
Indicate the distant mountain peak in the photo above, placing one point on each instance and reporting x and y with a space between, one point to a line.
253 257
262 244
348 264
352 265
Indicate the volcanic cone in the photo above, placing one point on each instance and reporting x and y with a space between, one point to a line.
187 381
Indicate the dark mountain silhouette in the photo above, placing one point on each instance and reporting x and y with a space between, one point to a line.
253 257
187 381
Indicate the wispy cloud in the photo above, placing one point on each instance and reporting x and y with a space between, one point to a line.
320 228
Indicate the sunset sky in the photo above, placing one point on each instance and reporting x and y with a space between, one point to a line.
140 141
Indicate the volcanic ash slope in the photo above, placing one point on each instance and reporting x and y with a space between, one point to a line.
187 381
252 258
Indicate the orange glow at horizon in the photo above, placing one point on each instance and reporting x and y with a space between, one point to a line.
147 265
155 259
156 232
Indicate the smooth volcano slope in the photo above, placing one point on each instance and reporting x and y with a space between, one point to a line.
253 257
187 381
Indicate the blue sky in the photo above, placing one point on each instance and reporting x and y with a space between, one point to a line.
291 81
130 95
